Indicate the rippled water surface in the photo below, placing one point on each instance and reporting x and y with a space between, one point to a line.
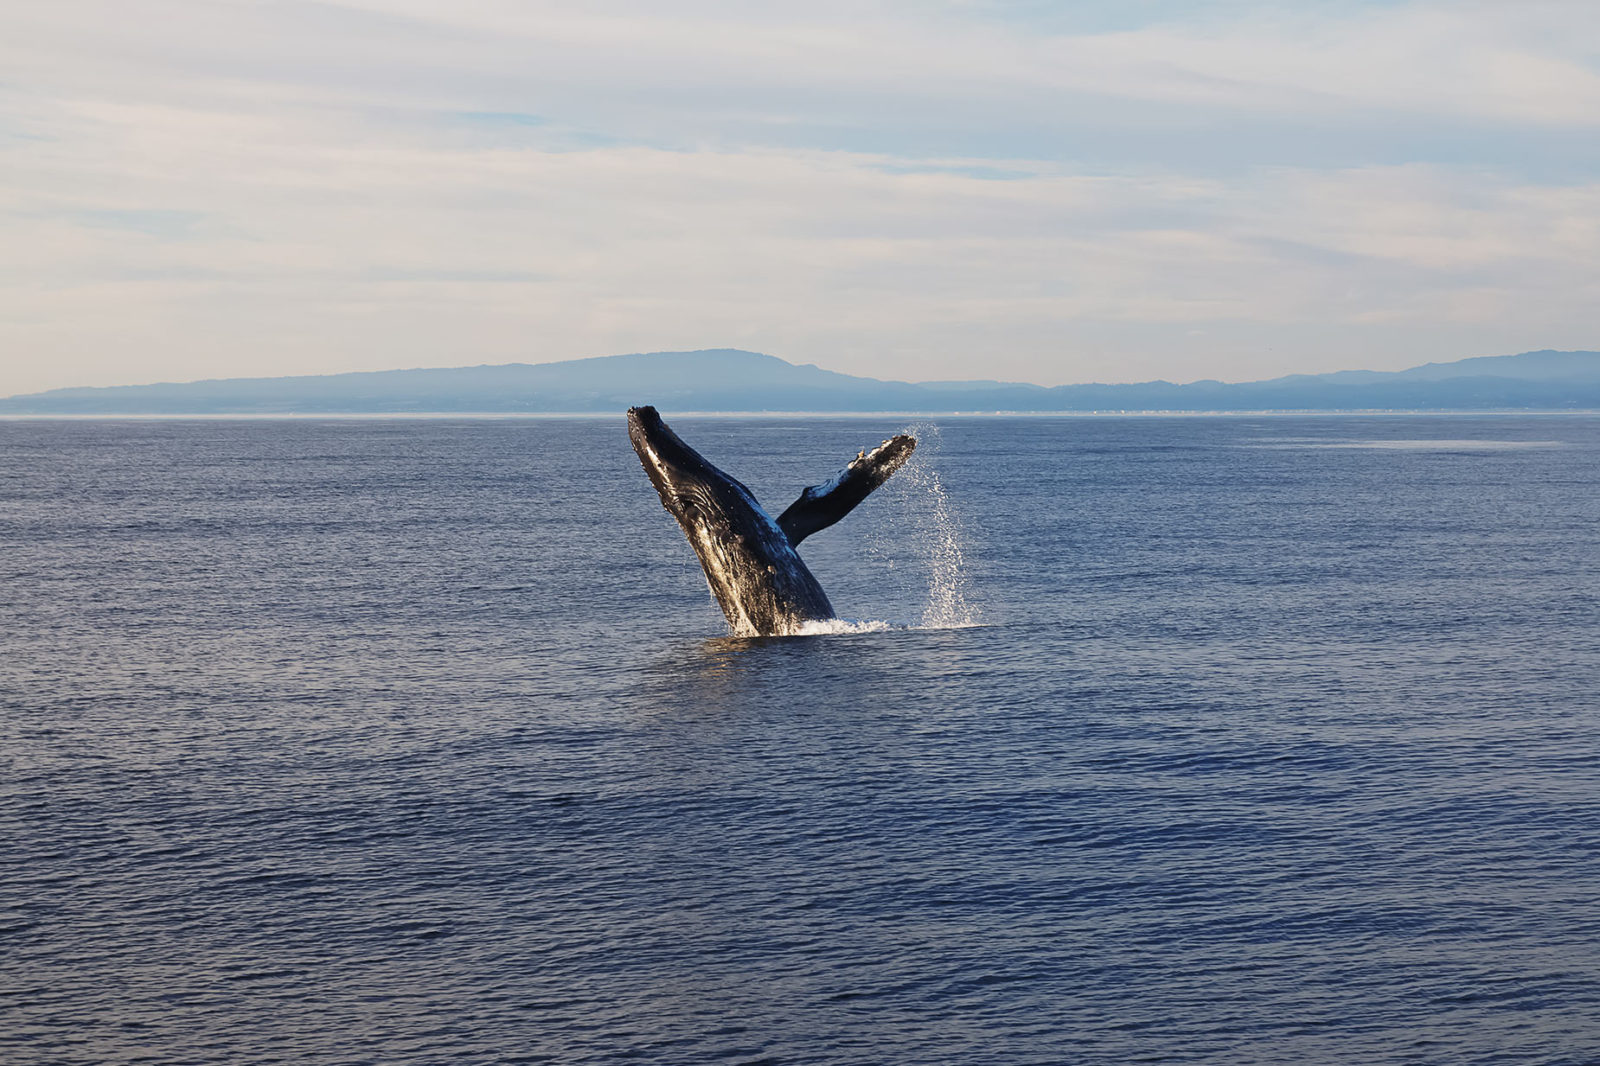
1223 740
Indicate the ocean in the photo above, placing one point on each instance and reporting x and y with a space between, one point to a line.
1243 739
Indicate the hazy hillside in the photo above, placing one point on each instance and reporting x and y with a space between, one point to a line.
731 380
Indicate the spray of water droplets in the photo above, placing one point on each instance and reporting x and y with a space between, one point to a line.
928 534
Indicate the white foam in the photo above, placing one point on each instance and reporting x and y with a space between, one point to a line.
833 626
838 626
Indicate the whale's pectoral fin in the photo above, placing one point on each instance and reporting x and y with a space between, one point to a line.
820 506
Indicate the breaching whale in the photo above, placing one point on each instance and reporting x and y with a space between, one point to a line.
749 558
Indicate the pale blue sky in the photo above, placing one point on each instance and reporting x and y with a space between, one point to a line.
1033 191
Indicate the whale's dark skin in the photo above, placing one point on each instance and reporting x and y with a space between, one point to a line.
750 561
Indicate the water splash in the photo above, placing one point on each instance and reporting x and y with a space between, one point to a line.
947 584
929 530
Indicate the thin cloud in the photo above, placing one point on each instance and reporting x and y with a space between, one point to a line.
210 189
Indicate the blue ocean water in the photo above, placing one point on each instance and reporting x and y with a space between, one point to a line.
1202 740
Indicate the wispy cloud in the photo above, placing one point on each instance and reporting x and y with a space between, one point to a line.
915 192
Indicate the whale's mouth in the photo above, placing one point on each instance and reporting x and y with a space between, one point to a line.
689 486
704 499
666 459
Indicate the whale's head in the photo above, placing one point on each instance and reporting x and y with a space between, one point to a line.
680 474
754 573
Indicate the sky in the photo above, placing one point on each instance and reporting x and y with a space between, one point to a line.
1028 191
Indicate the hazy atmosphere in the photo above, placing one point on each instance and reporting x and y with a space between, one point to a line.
1051 193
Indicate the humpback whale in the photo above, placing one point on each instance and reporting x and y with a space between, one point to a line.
751 565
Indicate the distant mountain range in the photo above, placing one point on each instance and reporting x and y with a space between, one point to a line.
725 379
